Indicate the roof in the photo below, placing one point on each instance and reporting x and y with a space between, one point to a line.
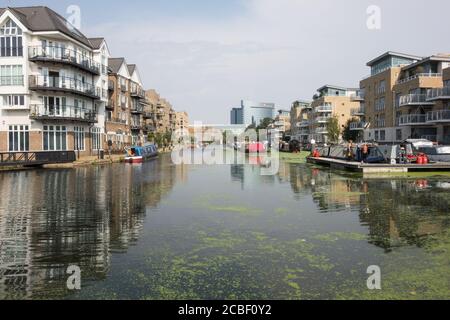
96 42
438 58
334 87
114 64
395 54
131 68
41 18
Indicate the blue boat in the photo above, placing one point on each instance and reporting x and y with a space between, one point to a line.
139 154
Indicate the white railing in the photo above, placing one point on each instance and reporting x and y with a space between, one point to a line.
322 119
411 119
438 93
438 116
413 99
420 75
357 111
321 130
324 109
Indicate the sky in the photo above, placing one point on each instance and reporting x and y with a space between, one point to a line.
205 56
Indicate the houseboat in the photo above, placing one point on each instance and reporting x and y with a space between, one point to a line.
139 154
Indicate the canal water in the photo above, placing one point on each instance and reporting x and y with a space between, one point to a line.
162 231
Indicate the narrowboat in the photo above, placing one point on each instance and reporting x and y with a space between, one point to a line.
255 147
139 154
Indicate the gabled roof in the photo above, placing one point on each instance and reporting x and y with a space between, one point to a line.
114 64
96 42
41 18
394 54
131 68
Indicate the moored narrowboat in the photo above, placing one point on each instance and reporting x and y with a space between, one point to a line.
139 154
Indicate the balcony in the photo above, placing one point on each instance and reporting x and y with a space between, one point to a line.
439 94
110 105
135 125
360 125
322 119
359 96
358 112
64 84
438 116
412 119
137 109
321 130
148 115
64 56
420 75
414 100
62 113
111 85
303 124
137 93
9 81
324 109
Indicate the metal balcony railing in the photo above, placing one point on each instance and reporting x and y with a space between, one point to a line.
414 99
360 125
65 56
438 116
324 109
64 112
65 84
412 119
357 111
438 94
419 75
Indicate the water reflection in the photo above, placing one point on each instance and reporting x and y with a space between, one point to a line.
50 220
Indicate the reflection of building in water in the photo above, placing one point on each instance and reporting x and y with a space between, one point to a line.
396 212
71 217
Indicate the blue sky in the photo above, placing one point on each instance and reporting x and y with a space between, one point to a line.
207 55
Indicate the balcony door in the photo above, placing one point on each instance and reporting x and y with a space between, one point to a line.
55 106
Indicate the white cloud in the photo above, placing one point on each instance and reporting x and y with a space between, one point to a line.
274 50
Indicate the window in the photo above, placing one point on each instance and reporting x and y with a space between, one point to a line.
381 87
18 138
398 135
382 135
10 40
11 75
96 138
55 138
79 138
377 135
380 104
13 100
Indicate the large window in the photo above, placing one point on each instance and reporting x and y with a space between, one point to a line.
11 75
13 100
55 138
96 138
18 138
11 40
79 138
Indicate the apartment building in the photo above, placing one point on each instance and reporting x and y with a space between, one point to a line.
159 113
182 121
282 121
405 97
125 111
53 83
299 120
331 101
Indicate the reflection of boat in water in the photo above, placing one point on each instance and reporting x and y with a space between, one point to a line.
139 154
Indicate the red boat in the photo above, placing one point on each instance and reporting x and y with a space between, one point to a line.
140 154
255 147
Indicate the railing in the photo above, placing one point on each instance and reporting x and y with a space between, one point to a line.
411 119
321 130
438 116
66 84
359 96
111 85
117 120
137 109
322 119
27 158
324 109
419 75
135 125
148 115
111 105
65 112
11 81
438 93
357 111
67 56
360 125
137 92
413 99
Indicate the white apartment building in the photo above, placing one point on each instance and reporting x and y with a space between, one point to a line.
53 85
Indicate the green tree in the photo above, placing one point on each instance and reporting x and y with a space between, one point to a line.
333 129
265 123
348 134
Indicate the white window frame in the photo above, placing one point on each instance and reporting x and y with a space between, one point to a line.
20 137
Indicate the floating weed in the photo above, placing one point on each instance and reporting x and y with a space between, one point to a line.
335 236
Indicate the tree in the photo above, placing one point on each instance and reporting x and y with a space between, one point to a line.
348 134
265 123
333 129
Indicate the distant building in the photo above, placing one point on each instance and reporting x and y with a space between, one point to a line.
252 113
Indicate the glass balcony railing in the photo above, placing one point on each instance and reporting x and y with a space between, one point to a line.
65 84
324 109
357 112
438 116
438 94
62 112
419 75
360 125
414 99
66 56
412 119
